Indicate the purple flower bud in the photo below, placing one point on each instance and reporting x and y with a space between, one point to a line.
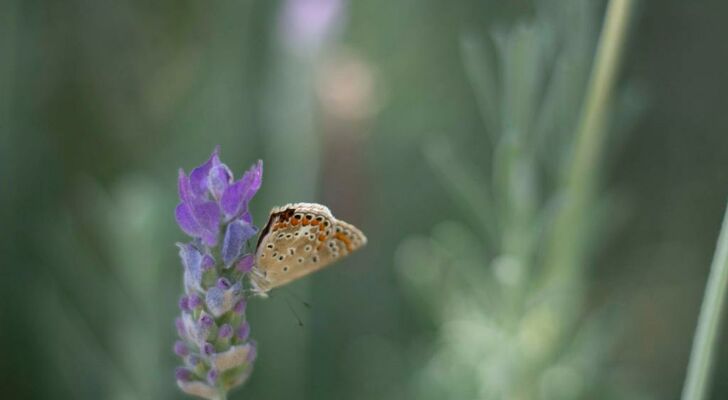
208 263
225 332
191 260
212 376
208 349
206 321
253 352
180 325
240 306
184 304
236 289
236 234
246 263
193 301
223 283
243 331
215 300
180 348
183 374
192 361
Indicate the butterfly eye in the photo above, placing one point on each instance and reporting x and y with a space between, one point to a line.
297 216
291 251
307 248
309 216
285 269
300 260
319 219
326 223
281 257
270 245
314 259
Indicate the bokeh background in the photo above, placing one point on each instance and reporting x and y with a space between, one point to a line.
437 127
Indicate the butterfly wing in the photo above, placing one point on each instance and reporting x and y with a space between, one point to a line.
300 239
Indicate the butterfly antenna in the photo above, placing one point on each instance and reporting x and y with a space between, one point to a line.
300 323
297 297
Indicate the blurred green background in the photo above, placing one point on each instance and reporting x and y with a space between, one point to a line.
376 109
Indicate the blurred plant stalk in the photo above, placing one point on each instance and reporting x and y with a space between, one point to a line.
579 181
519 329
702 357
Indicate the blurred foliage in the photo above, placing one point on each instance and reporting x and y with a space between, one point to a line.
389 115
510 293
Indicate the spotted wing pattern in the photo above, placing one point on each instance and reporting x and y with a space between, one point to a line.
299 239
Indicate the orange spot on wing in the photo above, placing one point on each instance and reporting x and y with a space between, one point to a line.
321 238
341 236
294 222
314 222
305 222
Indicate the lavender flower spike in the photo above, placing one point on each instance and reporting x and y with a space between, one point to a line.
213 330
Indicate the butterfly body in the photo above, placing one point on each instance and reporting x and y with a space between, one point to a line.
299 239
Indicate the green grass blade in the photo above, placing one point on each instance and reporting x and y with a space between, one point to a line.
706 336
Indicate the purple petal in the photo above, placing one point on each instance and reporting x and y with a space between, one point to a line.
208 349
215 300
180 348
186 220
180 325
225 331
206 321
199 175
184 304
208 216
212 376
232 201
192 360
218 180
193 301
240 306
192 260
243 331
208 262
246 263
201 329
183 187
237 233
183 374
236 197
223 283
253 352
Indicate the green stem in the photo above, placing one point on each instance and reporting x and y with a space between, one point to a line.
563 255
704 344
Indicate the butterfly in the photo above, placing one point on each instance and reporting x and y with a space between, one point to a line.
299 239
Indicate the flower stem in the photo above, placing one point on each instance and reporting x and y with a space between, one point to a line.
578 182
704 344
